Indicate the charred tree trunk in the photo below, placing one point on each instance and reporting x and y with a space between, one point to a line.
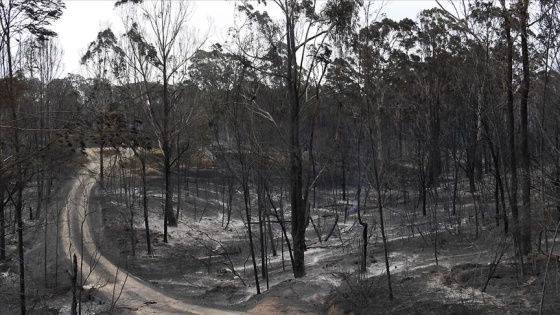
296 173
343 160
511 134
145 206
18 203
526 218
21 256
169 215
75 288
434 160
2 225
260 203
247 201
280 219
383 235
101 163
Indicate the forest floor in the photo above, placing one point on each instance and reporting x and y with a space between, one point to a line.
333 284
208 262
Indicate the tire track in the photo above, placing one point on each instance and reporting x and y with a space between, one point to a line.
114 283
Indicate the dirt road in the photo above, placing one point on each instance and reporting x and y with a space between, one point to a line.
114 284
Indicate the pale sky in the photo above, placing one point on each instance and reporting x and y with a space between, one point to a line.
83 19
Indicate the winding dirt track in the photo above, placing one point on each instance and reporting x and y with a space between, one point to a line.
97 271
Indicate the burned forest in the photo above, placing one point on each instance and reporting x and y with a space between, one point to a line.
318 157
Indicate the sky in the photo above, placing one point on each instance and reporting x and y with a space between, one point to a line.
83 19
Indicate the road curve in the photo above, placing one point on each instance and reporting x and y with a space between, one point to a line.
97 271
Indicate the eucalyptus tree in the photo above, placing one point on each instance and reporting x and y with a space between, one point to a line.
290 49
343 84
100 61
106 61
547 47
219 74
508 24
22 18
378 61
439 42
236 104
214 72
484 64
452 87
42 65
156 50
526 217
46 107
